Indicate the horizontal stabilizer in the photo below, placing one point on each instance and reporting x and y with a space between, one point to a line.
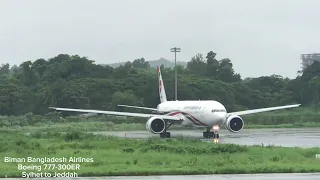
138 107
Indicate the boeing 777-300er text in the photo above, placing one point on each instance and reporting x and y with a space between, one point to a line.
207 114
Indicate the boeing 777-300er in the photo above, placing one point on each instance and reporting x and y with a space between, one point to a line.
207 114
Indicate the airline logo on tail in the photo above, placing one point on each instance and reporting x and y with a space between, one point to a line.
160 86
162 92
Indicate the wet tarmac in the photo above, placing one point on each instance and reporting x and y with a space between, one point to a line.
300 137
291 176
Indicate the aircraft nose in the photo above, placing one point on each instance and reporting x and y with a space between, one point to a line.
221 116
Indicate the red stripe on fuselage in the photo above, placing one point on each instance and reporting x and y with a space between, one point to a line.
195 120
190 118
173 113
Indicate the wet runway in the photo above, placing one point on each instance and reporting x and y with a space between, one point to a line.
300 137
292 176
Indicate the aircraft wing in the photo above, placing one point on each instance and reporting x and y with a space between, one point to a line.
253 111
138 107
171 118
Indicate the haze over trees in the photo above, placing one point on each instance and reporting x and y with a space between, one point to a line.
77 82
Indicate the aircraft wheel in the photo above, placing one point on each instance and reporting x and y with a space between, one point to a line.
208 135
213 135
165 135
217 135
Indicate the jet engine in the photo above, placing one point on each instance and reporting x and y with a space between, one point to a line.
156 125
234 123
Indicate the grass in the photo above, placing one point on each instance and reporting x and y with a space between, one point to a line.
81 126
154 156
289 125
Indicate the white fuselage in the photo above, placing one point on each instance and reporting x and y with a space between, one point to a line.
195 113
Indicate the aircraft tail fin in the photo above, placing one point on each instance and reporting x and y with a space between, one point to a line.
162 92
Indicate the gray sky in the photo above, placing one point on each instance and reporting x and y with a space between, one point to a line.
261 37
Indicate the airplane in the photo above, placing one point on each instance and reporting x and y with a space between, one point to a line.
208 114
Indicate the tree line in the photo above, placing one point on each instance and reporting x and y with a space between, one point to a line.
77 82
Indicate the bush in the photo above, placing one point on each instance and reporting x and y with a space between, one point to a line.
72 136
128 150
183 149
164 148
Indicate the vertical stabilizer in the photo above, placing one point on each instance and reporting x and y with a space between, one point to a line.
162 92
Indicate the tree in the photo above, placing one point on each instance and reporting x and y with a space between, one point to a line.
39 66
226 72
314 85
14 98
197 65
77 82
126 97
212 64
140 63
5 69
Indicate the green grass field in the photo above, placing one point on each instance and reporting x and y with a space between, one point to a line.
122 156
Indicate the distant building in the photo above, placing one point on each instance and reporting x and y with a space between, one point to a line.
308 59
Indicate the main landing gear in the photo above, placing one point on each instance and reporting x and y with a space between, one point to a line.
166 134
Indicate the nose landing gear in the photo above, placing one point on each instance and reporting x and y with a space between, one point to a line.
212 133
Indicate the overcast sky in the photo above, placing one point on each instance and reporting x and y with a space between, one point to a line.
261 37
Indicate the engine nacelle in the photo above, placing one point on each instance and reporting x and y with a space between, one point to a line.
234 123
156 125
